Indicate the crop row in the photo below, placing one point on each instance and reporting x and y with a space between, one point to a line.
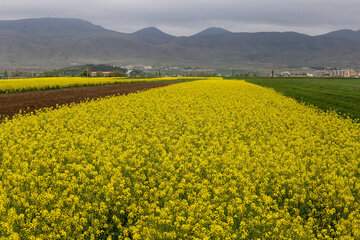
32 84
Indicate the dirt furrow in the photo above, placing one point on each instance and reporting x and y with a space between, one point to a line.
11 104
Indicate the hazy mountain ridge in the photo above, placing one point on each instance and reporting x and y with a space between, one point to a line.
54 42
51 27
212 31
153 35
346 34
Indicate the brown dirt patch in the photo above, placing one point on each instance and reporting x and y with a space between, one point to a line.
11 104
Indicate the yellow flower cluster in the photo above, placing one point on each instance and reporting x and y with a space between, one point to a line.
18 85
210 159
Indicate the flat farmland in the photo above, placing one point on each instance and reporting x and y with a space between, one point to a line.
208 159
340 95
38 84
30 101
31 94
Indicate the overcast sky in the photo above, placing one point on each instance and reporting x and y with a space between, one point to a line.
187 17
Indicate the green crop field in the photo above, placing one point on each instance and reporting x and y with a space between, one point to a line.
341 95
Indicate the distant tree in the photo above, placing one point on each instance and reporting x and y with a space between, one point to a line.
137 73
84 73
99 74
116 73
132 74
6 75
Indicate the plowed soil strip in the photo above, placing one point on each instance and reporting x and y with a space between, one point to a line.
11 104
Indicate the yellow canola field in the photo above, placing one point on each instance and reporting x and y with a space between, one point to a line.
210 159
30 84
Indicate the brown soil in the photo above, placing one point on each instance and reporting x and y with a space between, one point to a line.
11 104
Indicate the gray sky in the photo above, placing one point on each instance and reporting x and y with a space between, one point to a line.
187 17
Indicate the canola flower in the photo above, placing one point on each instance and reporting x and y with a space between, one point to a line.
210 159
31 84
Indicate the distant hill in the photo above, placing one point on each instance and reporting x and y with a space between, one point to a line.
212 32
153 35
51 27
56 42
346 34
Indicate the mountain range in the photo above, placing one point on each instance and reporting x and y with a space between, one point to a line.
59 42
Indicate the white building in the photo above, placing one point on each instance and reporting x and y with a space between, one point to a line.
310 75
285 74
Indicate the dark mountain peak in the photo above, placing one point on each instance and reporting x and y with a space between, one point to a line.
344 34
51 26
342 31
153 35
212 31
149 30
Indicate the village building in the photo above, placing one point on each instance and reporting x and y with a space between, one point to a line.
343 73
285 74
105 74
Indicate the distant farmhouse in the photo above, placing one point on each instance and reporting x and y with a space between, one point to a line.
285 74
148 67
105 74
